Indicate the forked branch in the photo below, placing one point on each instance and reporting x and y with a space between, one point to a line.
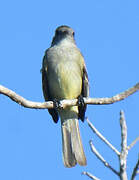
122 174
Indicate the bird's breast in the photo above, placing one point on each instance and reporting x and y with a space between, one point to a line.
65 80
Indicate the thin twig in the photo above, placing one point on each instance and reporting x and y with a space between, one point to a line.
90 175
133 143
124 151
65 103
99 156
135 170
102 137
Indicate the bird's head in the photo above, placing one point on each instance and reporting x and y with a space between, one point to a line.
63 32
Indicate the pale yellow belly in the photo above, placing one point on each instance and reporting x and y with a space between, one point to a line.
65 81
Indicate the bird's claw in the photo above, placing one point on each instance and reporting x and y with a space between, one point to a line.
81 102
57 104
81 108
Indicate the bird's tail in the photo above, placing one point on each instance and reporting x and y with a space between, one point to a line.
73 152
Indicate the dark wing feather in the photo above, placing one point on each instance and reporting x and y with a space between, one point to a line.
84 93
46 92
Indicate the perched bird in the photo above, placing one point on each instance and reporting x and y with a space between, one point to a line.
64 76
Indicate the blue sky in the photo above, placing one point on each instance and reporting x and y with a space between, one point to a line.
107 32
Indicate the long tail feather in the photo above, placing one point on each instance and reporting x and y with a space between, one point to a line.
73 152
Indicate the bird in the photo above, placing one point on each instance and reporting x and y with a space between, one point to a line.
64 76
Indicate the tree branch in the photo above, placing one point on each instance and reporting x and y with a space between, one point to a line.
124 151
135 171
65 103
133 143
90 175
102 137
94 150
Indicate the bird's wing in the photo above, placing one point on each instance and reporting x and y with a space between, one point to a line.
46 91
84 93
85 83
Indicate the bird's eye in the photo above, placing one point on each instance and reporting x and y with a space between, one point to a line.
73 33
57 33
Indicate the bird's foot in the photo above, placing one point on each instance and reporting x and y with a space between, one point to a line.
81 108
57 104
81 102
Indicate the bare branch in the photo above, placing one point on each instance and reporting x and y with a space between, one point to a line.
65 103
124 151
116 98
102 137
90 175
99 156
135 171
133 143
24 102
